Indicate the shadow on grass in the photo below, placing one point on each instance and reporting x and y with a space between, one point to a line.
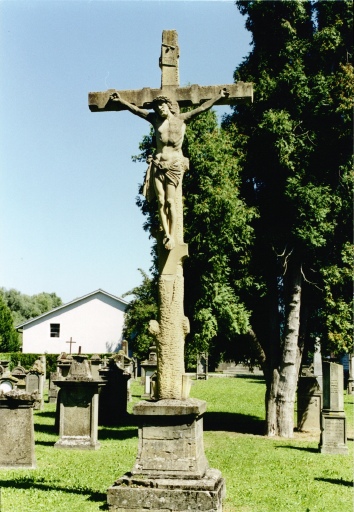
45 429
46 414
234 422
301 448
337 481
256 379
116 433
28 483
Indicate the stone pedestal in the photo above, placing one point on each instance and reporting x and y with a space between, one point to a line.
333 420
78 407
309 398
78 423
17 430
171 471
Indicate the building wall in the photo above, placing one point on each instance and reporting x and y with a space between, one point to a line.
95 323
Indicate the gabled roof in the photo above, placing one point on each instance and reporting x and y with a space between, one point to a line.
118 299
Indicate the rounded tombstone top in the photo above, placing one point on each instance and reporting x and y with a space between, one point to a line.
96 357
19 370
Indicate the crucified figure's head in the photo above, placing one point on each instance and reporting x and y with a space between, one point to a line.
162 103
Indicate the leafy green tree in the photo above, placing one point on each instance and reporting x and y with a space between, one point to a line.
138 314
24 307
9 339
297 173
217 229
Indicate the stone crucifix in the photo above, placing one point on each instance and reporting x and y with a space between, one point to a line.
163 180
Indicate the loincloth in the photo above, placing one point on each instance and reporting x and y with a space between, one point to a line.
166 172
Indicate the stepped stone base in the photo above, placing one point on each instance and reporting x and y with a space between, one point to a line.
137 494
171 472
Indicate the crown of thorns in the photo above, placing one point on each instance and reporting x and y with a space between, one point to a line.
173 105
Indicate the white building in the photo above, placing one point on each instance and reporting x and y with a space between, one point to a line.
93 322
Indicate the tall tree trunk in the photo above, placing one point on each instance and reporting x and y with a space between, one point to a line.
282 388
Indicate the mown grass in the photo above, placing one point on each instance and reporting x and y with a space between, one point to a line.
262 475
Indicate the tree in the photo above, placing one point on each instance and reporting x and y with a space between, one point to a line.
24 307
9 339
138 314
297 174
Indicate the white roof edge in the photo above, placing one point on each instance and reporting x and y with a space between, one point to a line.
72 302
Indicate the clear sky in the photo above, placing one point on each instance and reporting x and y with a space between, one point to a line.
68 219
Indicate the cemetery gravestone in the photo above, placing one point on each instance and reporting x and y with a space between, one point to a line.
17 430
19 373
317 363
350 387
78 407
35 380
148 369
160 480
202 366
114 395
309 399
333 420
95 365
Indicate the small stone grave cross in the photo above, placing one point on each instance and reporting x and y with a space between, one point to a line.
71 343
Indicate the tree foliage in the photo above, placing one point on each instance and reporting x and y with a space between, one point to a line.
9 338
24 307
138 314
298 169
298 175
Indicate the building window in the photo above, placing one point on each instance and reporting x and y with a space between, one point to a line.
54 330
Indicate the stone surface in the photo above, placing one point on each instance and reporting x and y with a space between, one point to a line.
317 363
17 431
333 398
333 421
309 398
78 407
171 439
131 494
333 433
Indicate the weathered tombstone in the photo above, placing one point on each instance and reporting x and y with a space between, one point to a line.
19 373
17 430
333 420
148 369
78 406
202 366
114 395
309 398
63 364
53 389
95 365
317 363
35 379
160 480
350 387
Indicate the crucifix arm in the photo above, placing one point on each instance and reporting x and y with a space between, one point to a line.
129 106
204 106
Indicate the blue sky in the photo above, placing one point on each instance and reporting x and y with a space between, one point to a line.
68 219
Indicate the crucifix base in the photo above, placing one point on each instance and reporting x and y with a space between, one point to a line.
171 471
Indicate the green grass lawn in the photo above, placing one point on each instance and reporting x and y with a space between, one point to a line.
262 474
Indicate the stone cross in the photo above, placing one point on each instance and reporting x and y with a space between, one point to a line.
165 172
71 342
185 96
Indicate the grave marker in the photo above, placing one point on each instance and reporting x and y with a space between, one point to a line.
333 420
